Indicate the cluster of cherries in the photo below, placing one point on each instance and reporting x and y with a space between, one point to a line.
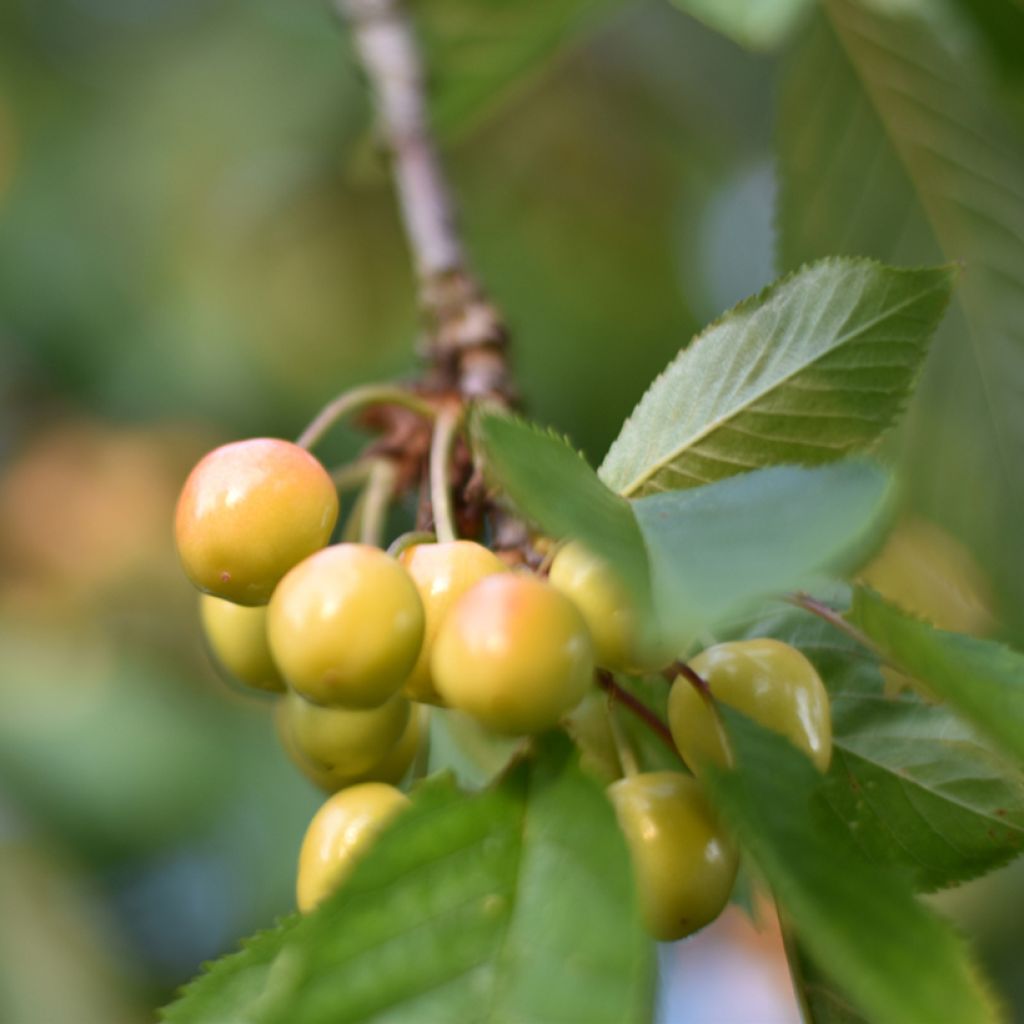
357 641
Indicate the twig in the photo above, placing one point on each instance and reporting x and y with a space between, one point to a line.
467 333
641 710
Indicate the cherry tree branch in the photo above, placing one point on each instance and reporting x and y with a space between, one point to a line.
465 332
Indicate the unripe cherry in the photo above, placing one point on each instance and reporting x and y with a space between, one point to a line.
684 864
514 654
622 641
342 832
442 574
770 682
248 512
237 636
346 625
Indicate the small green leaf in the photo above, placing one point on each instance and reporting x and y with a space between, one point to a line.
982 679
716 549
911 782
757 24
469 910
553 486
815 367
896 959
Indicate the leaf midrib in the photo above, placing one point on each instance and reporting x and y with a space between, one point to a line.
713 425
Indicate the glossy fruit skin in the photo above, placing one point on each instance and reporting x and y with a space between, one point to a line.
514 654
622 642
341 742
346 626
684 864
238 640
391 767
248 512
442 574
341 832
770 681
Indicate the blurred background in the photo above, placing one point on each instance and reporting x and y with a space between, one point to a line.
198 243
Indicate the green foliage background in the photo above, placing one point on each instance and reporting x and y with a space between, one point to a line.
198 242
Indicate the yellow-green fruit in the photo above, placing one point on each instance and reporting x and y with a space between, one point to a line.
514 654
770 682
622 642
392 766
342 742
237 636
341 832
930 574
684 864
442 574
395 764
248 512
346 626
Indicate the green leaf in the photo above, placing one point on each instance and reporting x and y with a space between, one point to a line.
815 367
821 1000
981 679
467 910
910 781
1001 24
903 155
757 24
897 960
479 51
553 486
716 549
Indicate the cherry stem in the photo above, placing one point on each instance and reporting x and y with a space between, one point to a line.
623 749
833 618
446 428
622 696
380 489
351 475
356 400
699 682
404 541
421 762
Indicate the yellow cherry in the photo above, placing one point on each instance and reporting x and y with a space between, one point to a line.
342 832
622 641
442 574
345 742
346 625
683 862
237 636
514 654
248 512
769 681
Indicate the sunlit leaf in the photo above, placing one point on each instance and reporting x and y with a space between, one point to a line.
815 367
